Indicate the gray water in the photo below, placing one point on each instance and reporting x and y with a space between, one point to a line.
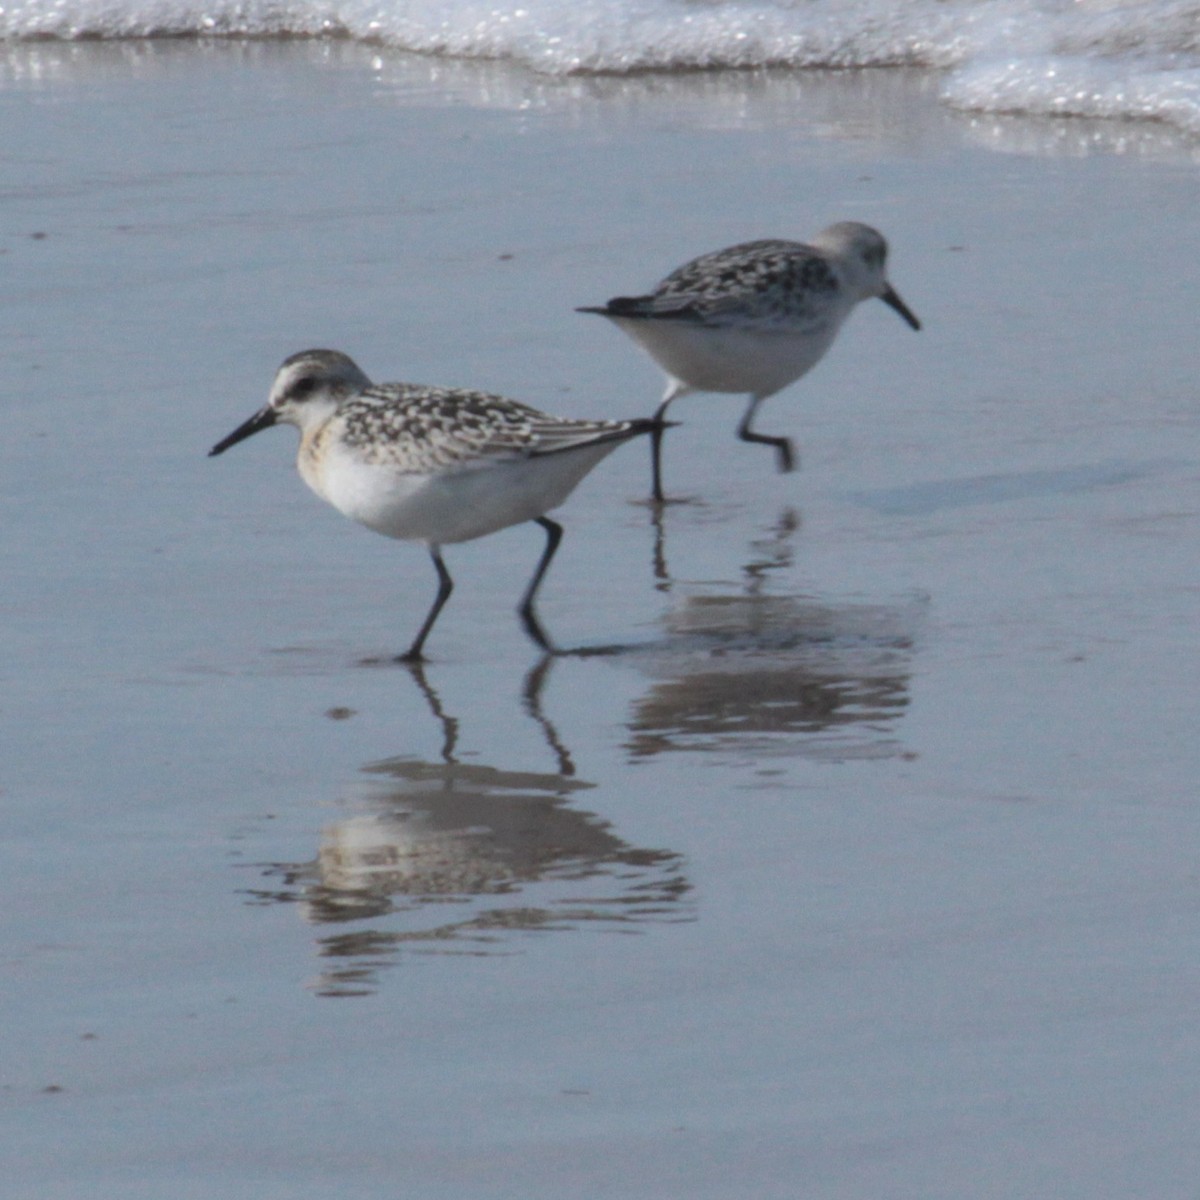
863 865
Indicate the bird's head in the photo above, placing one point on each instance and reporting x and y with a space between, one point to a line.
862 255
308 387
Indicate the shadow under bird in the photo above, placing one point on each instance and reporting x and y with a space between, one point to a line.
753 318
433 465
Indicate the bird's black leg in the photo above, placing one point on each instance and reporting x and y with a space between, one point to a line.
445 587
783 446
525 609
656 438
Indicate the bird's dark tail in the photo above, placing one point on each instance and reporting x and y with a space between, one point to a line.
620 306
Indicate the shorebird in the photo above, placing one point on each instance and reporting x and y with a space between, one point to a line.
430 464
753 318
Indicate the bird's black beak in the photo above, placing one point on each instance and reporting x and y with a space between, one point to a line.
263 419
892 299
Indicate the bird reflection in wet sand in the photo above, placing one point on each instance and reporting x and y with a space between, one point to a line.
773 674
453 857
774 552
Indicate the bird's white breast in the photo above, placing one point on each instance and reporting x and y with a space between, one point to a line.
731 359
451 505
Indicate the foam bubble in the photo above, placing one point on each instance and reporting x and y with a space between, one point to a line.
1079 87
1098 58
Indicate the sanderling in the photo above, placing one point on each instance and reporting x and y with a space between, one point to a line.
754 318
433 465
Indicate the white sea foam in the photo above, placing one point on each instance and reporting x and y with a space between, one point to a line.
1133 59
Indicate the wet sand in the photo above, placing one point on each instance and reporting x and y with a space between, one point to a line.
863 866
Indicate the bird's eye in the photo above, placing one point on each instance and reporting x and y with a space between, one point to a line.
302 388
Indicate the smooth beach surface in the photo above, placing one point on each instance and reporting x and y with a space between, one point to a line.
864 865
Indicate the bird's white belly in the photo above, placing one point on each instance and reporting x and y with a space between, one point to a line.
455 505
727 359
